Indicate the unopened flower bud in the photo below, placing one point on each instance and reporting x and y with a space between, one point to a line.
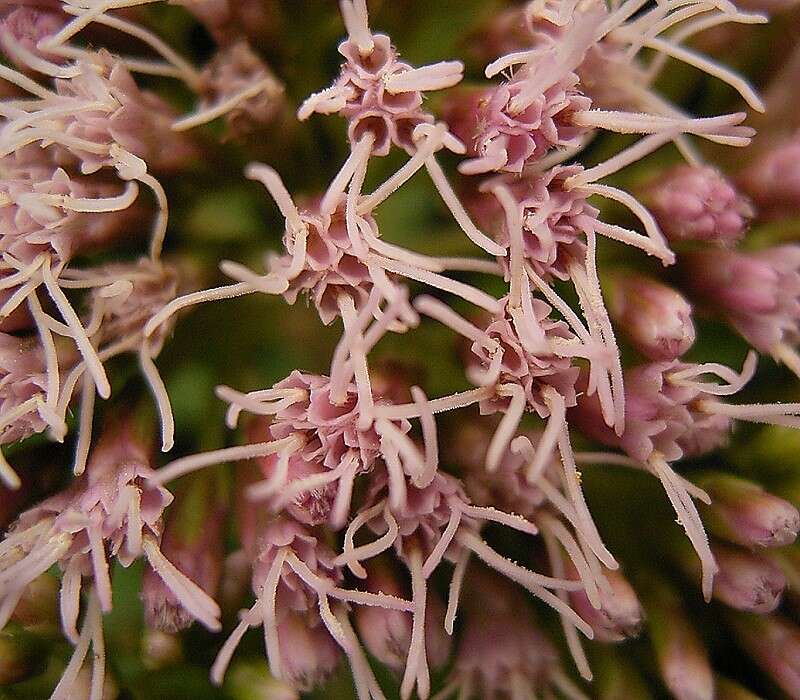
682 659
746 580
699 204
774 644
620 614
656 318
743 513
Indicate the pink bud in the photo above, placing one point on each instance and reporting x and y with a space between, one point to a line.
237 70
620 614
746 580
743 513
700 204
656 318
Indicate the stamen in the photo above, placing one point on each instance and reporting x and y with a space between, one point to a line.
454 592
192 463
81 340
230 291
527 579
196 601
160 394
84 436
579 503
508 425
429 437
416 671
457 209
248 618
209 114
466 292
689 519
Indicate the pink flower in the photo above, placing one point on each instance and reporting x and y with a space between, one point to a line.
508 359
700 204
237 83
331 264
48 211
773 179
503 139
554 219
380 95
114 509
759 293
23 380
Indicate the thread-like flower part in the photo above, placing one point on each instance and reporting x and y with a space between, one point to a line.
698 203
656 318
744 513
773 179
114 509
747 581
759 293
387 633
379 94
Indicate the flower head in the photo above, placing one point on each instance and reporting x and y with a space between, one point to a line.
699 204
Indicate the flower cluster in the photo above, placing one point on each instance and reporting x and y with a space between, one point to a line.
373 521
